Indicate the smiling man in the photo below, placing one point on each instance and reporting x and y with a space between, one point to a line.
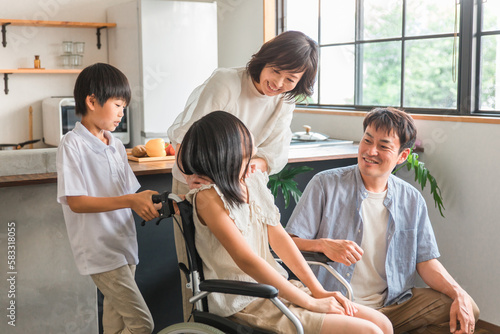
376 228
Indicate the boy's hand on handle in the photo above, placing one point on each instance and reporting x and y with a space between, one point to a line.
142 204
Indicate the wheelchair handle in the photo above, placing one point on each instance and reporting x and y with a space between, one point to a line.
167 208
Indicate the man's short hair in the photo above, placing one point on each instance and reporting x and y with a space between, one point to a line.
392 119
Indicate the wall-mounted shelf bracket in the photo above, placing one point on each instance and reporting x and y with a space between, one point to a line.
4 32
98 33
6 83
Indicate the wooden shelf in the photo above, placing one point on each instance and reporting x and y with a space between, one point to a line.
40 71
6 73
64 24
59 24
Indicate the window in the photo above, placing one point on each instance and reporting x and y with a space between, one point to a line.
425 56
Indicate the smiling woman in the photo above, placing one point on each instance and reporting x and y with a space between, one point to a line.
262 95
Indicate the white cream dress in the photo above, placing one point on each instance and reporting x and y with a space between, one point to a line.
252 220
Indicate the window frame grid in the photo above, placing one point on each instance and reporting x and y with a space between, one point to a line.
469 36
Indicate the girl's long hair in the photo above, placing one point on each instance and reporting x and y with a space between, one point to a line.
215 146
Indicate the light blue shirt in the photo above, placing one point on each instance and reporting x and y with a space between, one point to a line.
330 207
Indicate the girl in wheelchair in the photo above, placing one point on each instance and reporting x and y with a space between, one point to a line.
236 220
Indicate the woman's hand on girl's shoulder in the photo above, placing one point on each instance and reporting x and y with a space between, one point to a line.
257 163
196 181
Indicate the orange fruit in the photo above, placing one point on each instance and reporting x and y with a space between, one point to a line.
156 148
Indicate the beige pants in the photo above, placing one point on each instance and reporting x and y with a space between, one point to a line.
428 311
124 308
180 188
262 313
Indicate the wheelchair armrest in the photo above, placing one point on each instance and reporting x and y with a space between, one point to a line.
247 289
239 288
313 256
320 259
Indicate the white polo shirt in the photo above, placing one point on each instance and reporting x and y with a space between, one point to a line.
87 167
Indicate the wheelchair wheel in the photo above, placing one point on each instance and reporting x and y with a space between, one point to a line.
191 328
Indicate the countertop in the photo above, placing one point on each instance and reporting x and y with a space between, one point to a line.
296 154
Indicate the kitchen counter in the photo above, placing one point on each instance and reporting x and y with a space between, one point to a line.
296 154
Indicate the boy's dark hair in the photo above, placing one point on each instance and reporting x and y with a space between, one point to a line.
103 81
289 51
392 119
215 146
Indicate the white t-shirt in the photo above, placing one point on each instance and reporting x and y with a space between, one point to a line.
232 90
87 167
369 281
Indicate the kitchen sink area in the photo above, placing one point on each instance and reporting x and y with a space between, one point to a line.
327 142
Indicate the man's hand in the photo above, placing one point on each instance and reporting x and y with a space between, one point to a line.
461 312
344 251
196 181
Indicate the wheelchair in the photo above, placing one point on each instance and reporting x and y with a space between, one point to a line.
204 321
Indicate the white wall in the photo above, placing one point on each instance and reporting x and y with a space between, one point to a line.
464 159
241 30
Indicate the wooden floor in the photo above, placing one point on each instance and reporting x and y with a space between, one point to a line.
483 327
482 331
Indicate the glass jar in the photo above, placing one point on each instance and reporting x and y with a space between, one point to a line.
66 60
76 60
67 47
78 47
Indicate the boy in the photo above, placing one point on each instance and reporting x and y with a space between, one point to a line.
96 188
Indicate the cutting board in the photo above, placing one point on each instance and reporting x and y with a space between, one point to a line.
147 159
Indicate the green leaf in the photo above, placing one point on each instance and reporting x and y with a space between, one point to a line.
422 176
285 180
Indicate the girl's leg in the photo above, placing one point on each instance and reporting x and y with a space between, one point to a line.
366 320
